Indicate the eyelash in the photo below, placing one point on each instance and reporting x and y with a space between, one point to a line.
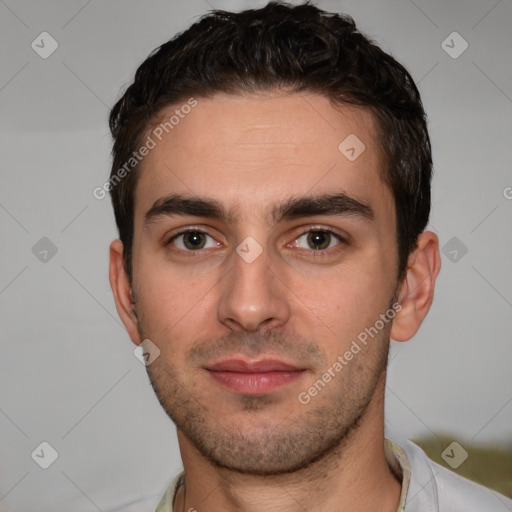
319 253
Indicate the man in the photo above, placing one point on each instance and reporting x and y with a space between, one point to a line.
271 186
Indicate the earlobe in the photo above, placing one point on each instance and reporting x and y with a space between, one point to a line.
122 290
417 289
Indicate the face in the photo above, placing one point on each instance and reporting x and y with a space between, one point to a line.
261 252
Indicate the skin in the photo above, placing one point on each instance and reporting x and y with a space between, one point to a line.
298 303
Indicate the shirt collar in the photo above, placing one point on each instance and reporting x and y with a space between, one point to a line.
395 457
397 461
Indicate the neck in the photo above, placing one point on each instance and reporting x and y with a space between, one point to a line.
354 477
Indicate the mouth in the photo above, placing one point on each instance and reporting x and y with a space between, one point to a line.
254 377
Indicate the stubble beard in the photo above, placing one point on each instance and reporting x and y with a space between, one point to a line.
323 428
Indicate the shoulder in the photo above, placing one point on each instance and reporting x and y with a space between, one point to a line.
437 489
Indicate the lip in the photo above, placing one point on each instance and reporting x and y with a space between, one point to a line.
247 366
254 377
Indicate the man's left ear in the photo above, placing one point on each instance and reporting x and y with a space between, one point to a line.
417 288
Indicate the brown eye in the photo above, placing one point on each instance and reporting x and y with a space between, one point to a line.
319 239
192 240
319 242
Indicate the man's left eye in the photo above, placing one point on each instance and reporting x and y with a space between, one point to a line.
318 240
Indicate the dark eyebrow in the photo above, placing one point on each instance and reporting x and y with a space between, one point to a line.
326 204
177 204
292 208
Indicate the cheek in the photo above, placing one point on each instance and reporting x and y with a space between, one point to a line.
171 302
344 301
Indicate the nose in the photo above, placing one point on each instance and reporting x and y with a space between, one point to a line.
252 296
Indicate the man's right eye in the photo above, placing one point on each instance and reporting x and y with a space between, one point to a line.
192 240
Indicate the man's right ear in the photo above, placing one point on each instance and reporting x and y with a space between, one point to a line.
122 291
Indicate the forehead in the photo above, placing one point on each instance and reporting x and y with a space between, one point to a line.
251 151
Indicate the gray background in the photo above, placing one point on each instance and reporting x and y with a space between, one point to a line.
68 375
